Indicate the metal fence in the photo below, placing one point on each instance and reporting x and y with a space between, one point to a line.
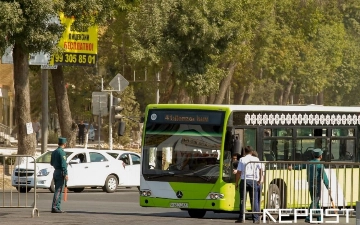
288 184
19 171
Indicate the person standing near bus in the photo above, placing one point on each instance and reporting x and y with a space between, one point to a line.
315 176
255 154
253 176
235 162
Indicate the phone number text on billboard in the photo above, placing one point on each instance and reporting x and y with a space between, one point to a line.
75 59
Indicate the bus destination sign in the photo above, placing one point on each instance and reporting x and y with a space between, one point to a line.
186 117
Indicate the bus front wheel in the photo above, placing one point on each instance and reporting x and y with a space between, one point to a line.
196 213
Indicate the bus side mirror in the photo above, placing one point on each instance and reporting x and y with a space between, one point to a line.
236 146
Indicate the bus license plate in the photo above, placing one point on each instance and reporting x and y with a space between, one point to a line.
179 205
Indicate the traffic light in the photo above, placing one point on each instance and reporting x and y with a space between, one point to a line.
115 113
116 101
121 128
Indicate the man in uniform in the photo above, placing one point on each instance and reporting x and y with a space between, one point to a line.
315 175
58 161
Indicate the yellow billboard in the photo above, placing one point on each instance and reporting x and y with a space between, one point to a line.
79 47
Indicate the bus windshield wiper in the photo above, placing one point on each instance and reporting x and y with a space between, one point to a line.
171 174
206 178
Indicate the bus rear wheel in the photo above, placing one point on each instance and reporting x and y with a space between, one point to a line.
196 213
274 197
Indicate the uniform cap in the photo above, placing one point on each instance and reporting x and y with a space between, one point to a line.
62 140
317 152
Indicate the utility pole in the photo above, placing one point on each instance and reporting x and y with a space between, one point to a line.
110 122
44 110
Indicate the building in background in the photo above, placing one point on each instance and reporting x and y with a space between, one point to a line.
6 95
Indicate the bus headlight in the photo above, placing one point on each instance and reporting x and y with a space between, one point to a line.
145 193
215 195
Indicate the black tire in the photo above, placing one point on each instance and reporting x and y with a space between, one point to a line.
23 189
138 187
52 187
78 190
111 184
276 199
196 213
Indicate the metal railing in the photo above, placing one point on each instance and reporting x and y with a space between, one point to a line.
19 171
289 185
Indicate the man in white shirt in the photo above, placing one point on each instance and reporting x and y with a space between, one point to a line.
254 178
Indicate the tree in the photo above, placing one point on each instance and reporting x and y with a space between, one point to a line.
185 40
29 27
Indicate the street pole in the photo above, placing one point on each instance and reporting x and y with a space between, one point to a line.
157 88
45 110
99 124
358 213
110 122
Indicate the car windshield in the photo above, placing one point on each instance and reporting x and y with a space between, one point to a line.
113 154
46 158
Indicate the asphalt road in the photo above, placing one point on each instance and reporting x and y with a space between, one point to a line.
97 207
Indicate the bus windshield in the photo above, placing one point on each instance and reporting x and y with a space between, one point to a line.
184 152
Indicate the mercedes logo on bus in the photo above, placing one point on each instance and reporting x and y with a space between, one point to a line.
179 194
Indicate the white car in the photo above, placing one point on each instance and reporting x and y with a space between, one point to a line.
131 163
86 168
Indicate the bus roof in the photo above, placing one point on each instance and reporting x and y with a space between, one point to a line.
260 108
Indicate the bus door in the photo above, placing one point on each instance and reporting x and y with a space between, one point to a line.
247 137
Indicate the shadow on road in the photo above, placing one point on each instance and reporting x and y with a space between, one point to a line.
180 214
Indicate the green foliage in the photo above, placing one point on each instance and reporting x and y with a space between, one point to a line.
189 34
53 137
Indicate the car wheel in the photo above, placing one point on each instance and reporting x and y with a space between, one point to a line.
52 187
78 190
111 184
23 189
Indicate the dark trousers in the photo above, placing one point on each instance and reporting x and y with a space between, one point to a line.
59 186
81 139
253 189
315 194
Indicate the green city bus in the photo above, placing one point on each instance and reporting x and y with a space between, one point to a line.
187 149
